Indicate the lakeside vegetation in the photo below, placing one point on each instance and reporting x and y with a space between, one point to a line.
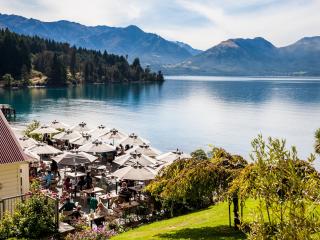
26 60
283 186
274 196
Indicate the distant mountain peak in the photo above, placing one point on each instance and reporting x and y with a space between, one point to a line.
228 43
187 47
151 48
133 27
254 56
308 40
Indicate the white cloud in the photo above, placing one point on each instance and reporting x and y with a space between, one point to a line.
199 23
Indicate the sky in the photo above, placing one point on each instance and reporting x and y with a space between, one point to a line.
200 23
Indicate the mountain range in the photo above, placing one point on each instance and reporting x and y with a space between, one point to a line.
254 57
238 56
128 41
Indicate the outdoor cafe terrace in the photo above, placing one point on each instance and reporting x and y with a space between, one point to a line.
97 175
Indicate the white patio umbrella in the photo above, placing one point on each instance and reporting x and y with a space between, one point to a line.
45 129
135 172
99 131
170 157
18 132
26 142
74 158
84 139
81 127
146 150
43 149
133 140
67 135
135 157
58 125
31 157
114 135
97 147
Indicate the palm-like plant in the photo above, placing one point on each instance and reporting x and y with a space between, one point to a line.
317 142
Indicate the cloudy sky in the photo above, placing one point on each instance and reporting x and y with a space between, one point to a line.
201 23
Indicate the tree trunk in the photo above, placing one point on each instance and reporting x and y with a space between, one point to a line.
235 201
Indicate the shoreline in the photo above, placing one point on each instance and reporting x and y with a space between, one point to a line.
75 85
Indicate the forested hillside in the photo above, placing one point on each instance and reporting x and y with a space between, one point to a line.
22 58
152 49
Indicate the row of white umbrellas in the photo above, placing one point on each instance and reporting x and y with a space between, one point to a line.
140 162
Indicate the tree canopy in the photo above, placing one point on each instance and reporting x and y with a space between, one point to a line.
196 182
62 63
286 188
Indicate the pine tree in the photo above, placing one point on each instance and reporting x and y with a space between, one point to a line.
73 62
58 74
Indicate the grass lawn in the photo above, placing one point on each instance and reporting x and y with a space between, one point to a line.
211 223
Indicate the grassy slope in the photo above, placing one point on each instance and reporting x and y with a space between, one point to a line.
211 223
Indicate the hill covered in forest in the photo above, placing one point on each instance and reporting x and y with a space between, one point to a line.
25 58
132 41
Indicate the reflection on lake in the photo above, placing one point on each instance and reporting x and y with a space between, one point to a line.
188 113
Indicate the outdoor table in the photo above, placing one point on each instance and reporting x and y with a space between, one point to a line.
128 208
128 205
136 190
94 216
102 167
74 175
99 176
67 169
107 198
93 190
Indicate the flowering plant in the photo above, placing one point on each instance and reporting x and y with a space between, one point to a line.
92 234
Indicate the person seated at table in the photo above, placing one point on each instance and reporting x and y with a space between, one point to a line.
93 202
103 183
101 213
124 192
88 181
64 196
48 179
67 184
81 183
82 168
123 196
54 168
33 172
45 137
43 166
77 213
67 207
49 142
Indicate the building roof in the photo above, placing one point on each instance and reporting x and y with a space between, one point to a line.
10 149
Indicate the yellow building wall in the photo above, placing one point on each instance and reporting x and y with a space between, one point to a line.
24 177
14 179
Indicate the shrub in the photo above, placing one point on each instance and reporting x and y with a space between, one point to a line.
287 190
199 154
32 219
91 234
32 126
7 228
8 79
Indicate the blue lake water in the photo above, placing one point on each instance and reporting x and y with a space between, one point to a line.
186 112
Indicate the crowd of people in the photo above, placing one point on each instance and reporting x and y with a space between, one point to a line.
55 180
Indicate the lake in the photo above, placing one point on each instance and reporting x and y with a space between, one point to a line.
186 112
